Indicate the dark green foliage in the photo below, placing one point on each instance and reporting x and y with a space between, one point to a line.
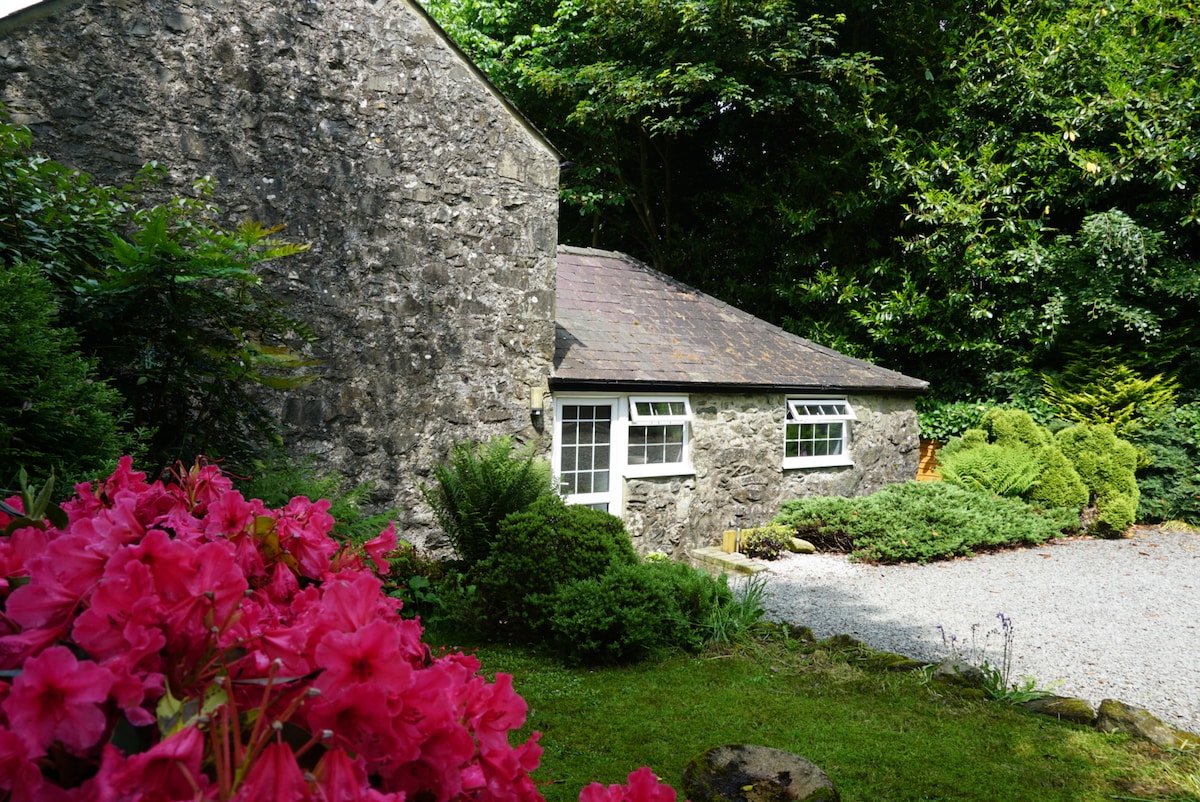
478 486
709 139
941 420
1108 466
439 593
165 300
634 610
279 481
918 522
956 190
56 417
1169 485
625 614
541 549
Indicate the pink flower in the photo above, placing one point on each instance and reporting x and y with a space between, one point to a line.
192 587
57 698
494 710
19 547
275 776
303 528
19 772
370 654
378 548
342 779
169 771
643 787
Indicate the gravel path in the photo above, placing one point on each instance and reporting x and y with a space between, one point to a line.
1094 619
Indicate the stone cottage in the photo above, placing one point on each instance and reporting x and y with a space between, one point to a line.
430 203
688 417
431 207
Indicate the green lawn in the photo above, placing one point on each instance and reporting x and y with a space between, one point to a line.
879 735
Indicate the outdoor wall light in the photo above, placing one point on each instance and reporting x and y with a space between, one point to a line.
536 396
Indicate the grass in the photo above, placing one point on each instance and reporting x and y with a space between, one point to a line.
880 735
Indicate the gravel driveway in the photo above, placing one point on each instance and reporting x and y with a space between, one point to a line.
1094 619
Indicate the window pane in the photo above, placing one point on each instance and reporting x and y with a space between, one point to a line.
570 433
655 445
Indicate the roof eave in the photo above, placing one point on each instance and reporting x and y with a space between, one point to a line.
613 386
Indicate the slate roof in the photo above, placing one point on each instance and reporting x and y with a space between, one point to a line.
621 324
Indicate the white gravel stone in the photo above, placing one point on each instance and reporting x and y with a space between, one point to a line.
1093 619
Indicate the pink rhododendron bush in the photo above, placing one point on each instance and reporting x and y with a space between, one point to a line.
179 642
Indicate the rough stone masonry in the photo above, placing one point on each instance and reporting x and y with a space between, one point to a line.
429 202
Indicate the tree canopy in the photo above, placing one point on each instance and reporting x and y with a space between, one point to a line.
959 191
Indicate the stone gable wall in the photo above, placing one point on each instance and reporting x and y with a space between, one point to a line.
740 482
430 206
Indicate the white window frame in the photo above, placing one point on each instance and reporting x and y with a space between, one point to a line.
795 415
625 417
634 419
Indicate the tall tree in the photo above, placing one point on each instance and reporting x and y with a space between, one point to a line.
1049 177
716 140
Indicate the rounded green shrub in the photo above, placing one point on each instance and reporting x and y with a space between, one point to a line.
765 542
634 610
1108 466
1059 484
623 615
541 549
1014 428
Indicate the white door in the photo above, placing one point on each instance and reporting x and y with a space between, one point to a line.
583 456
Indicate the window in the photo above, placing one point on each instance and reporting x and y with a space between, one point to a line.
601 440
817 433
658 435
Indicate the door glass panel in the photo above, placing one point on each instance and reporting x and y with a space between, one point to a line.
584 453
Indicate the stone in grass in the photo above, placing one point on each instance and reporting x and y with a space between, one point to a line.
959 672
1114 716
743 773
1064 708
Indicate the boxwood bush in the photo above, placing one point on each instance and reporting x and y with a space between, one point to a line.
920 521
989 459
1108 466
541 549
633 611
